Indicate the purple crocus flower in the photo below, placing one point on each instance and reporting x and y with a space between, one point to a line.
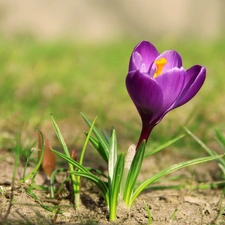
157 83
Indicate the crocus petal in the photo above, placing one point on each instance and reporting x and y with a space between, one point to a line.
146 94
135 61
171 83
173 59
194 79
144 53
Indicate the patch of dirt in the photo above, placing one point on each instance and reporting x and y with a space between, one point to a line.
186 206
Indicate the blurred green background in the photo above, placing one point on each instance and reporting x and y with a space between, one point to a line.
64 73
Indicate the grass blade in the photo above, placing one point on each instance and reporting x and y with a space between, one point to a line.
149 213
220 139
60 137
220 160
169 170
75 183
86 141
206 148
164 145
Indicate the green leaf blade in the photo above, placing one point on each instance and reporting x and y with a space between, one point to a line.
112 154
169 170
220 160
71 161
220 139
102 186
164 145
133 173
97 145
101 139
114 188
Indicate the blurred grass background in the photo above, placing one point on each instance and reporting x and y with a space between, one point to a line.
65 78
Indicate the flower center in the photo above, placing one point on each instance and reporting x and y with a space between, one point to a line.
160 63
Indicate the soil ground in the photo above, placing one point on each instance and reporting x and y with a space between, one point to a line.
185 206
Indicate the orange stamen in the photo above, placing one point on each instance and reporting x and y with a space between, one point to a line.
160 63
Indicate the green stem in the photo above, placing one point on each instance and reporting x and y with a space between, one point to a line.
26 164
52 180
39 162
